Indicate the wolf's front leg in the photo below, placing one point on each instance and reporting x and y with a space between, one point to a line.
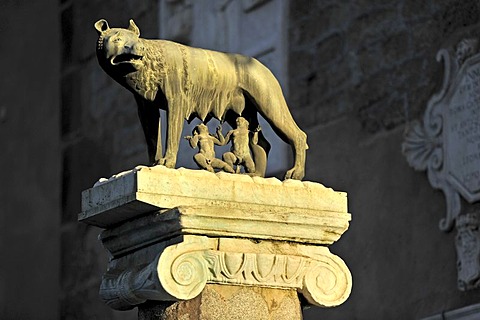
149 116
174 131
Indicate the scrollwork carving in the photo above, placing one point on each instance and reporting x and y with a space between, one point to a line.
256 269
328 282
419 147
189 273
323 279
126 289
465 49
182 269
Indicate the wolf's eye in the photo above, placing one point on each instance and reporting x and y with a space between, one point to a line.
117 40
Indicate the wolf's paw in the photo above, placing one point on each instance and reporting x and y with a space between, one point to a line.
295 173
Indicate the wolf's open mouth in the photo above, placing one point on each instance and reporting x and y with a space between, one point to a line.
124 58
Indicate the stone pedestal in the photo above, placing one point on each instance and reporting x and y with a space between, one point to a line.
229 302
190 244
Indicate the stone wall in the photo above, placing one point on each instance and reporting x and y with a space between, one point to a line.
373 61
360 71
29 160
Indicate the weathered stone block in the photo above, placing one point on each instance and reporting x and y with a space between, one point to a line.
174 233
155 188
220 302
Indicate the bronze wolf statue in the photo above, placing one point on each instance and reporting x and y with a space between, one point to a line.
191 82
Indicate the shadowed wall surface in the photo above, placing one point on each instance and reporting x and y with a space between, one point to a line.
360 71
30 160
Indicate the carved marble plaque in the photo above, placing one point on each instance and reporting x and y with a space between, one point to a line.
462 131
447 145
447 142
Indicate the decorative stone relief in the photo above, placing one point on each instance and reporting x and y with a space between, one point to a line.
321 277
465 49
131 287
182 271
447 145
447 142
467 243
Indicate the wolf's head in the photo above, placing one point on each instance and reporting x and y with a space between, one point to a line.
119 46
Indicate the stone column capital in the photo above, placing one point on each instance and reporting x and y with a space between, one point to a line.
323 278
182 270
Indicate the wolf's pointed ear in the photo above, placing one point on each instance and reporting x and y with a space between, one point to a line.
133 27
101 26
